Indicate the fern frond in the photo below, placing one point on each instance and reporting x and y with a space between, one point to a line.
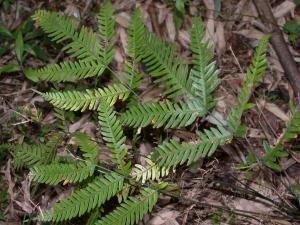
149 172
168 114
106 24
204 75
253 75
86 145
83 46
293 125
170 73
132 210
133 78
57 172
28 155
136 36
66 71
112 133
85 199
89 99
172 153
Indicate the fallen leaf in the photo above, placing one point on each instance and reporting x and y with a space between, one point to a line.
284 8
170 27
165 217
274 109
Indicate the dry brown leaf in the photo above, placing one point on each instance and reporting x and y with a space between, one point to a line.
255 133
145 149
284 8
165 217
26 204
274 109
123 19
252 206
210 23
184 38
79 124
250 33
11 184
123 38
220 38
162 13
170 27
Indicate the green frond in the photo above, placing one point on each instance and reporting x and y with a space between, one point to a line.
211 139
88 99
83 45
136 36
253 75
28 155
86 145
170 73
272 155
204 74
57 172
132 210
293 125
106 24
84 200
54 141
133 78
172 153
66 71
149 172
60 117
112 133
168 114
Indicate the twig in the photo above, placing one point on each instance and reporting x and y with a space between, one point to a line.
285 57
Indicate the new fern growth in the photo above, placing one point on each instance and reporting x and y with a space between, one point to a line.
188 96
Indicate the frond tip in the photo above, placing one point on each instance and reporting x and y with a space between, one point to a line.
112 133
83 45
66 71
58 172
204 75
132 210
88 99
85 199
86 145
172 153
148 172
253 75
169 72
168 114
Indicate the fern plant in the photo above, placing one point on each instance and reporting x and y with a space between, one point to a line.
188 96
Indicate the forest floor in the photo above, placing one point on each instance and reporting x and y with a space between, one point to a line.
233 29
